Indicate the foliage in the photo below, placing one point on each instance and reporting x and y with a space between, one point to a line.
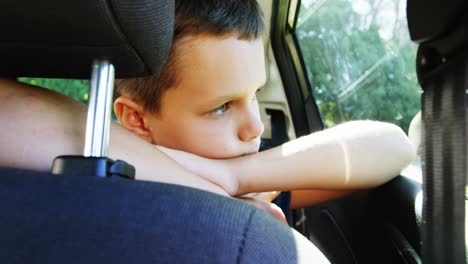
77 89
359 60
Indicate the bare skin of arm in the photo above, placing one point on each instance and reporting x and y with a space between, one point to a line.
306 198
319 167
353 155
38 124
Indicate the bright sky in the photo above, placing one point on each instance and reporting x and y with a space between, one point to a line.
387 14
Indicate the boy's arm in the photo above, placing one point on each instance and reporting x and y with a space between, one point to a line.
350 156
38 124
306 198
353 155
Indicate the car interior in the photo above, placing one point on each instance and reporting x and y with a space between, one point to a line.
325 53
328 62
373 226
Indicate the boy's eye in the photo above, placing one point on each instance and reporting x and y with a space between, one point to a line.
220 109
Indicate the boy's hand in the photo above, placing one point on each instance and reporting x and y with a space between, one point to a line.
214 171
415 132
264 196
269 207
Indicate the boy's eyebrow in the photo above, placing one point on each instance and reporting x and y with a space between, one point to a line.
229 97
222 98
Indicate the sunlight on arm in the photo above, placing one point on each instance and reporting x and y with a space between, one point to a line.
346 158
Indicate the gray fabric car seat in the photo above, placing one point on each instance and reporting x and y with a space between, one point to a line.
80 219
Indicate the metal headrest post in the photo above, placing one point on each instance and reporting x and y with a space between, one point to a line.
94 160
99 109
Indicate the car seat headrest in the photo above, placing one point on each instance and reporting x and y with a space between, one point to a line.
60 39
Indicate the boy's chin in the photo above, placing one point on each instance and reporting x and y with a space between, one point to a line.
229 156
249 153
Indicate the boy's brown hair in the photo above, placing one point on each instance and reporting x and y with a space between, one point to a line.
193 18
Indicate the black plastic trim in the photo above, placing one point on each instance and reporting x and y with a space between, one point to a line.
304 112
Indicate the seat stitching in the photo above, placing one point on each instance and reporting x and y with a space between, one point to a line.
244 236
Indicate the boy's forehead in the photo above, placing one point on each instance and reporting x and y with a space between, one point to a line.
221 65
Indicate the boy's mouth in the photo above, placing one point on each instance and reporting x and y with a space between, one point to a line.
249 153
253 150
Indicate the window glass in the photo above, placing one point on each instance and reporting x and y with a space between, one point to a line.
359 60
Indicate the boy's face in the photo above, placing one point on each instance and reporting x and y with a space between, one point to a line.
213 111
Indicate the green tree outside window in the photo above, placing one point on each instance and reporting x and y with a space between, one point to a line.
77 89
359 60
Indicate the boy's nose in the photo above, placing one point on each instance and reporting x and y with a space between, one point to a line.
251 128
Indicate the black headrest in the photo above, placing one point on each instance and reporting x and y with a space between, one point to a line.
430 19
60 39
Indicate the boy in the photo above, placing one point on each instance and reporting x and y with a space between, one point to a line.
204 103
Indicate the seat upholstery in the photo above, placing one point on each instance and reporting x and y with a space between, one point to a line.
80 219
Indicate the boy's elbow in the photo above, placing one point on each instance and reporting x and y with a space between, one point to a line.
404 148
400 152
380 151
388 138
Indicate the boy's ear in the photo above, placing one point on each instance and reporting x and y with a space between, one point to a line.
131 116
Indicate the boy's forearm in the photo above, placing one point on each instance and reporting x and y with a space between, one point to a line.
151 164
306 198
355 155
38 125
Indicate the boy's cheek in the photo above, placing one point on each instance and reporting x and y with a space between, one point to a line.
215 144
216 140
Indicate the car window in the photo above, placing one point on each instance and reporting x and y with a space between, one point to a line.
360 61
77 89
